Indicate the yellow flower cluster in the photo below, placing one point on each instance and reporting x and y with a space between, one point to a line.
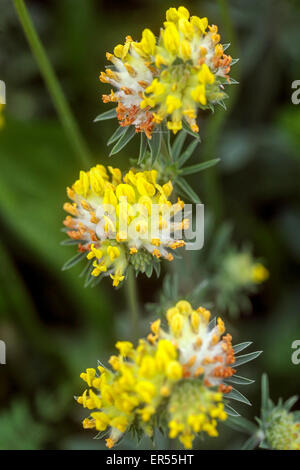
120 220
203 350
141 378
199 412
283 433
171 77
242 270
180 371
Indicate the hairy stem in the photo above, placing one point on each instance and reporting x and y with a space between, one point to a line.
63 110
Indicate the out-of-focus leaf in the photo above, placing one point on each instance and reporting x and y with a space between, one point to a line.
241 424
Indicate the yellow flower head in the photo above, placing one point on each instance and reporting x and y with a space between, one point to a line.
175 377
132 390
283 432
193 409
121 220
204 351
169 78
241 269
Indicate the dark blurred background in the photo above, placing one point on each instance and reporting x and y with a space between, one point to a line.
53 327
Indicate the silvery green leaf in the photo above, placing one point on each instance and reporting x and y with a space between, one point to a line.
157 269
264 445
199 167
155 145
241 424
232 81
251 443
187 153
149 270
290 402
222 104
246 358
186 188
264 393
296 415
71 262
234 61
225 46
70 241
86 268
236 379
112 113
143 148
124 139
241 346
231 411
116 135
238 396
178 144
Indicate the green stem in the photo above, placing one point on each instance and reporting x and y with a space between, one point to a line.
133 305
63 110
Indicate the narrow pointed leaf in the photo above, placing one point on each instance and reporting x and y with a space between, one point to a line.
126 137
238 396
155 145
187 153
112 113
238 380
251 443
71 262
116 135
70 241
264 445
178 144
225 46
231 411
290 402
199 167
187 129
264 392
233 81
241 346
186 188
246 358
143 148
241 424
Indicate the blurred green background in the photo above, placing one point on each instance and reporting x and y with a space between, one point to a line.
52 326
